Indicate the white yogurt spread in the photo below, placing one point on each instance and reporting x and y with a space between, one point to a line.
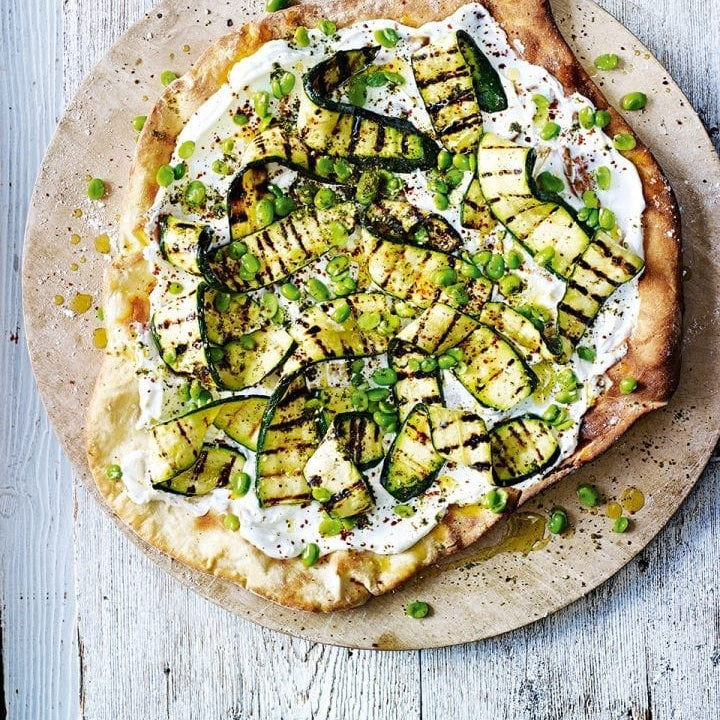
283 531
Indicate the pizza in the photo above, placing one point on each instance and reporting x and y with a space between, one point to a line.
385 272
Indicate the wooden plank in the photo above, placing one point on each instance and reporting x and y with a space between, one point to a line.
37 603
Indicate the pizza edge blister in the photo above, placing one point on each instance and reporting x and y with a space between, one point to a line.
345 579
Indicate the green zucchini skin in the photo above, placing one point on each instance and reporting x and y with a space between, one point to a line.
503 175
240 419
402 222
214 467
287 439
493 371
361 136
284 247
447 86
413 386
603 267
489 91
438 329
180 240
412 463
522 447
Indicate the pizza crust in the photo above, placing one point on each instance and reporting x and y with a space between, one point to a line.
345 579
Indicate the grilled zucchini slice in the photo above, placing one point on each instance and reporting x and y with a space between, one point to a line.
603 267
320 337
240 419
486 81
461 437
177 443
360 437
438 329
521 448
287 440
175 330
213 468
493 371
413 385
409 272
227 316
517 328
364 137
403 222
242 363
180 240
504 169
474 211
412 463
445 82
281 248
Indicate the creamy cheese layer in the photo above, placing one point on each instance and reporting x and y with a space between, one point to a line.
283 531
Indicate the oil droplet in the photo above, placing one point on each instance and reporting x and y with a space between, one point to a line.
83 259
524 533
81 303
186 48
102 243
77 212
75 239
632 499
100 338
613 510
59 299
74 267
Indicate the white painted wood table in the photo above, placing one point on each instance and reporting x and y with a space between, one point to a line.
91 628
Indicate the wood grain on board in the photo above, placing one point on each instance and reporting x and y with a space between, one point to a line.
646 642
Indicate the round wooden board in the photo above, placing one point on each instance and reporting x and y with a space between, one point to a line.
482 592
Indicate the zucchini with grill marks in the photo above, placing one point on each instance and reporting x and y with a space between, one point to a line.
180 240
287 440
461 437
213 468
334 400
493 371
320 337
490 94
503 171
177 443
603 267
280 249
410 273
517 328
438 329
361 136
361 438
412 463
474 211
245 362
413 385
240 419
227 316
175 330
445 82
331 469
403 222
521 448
